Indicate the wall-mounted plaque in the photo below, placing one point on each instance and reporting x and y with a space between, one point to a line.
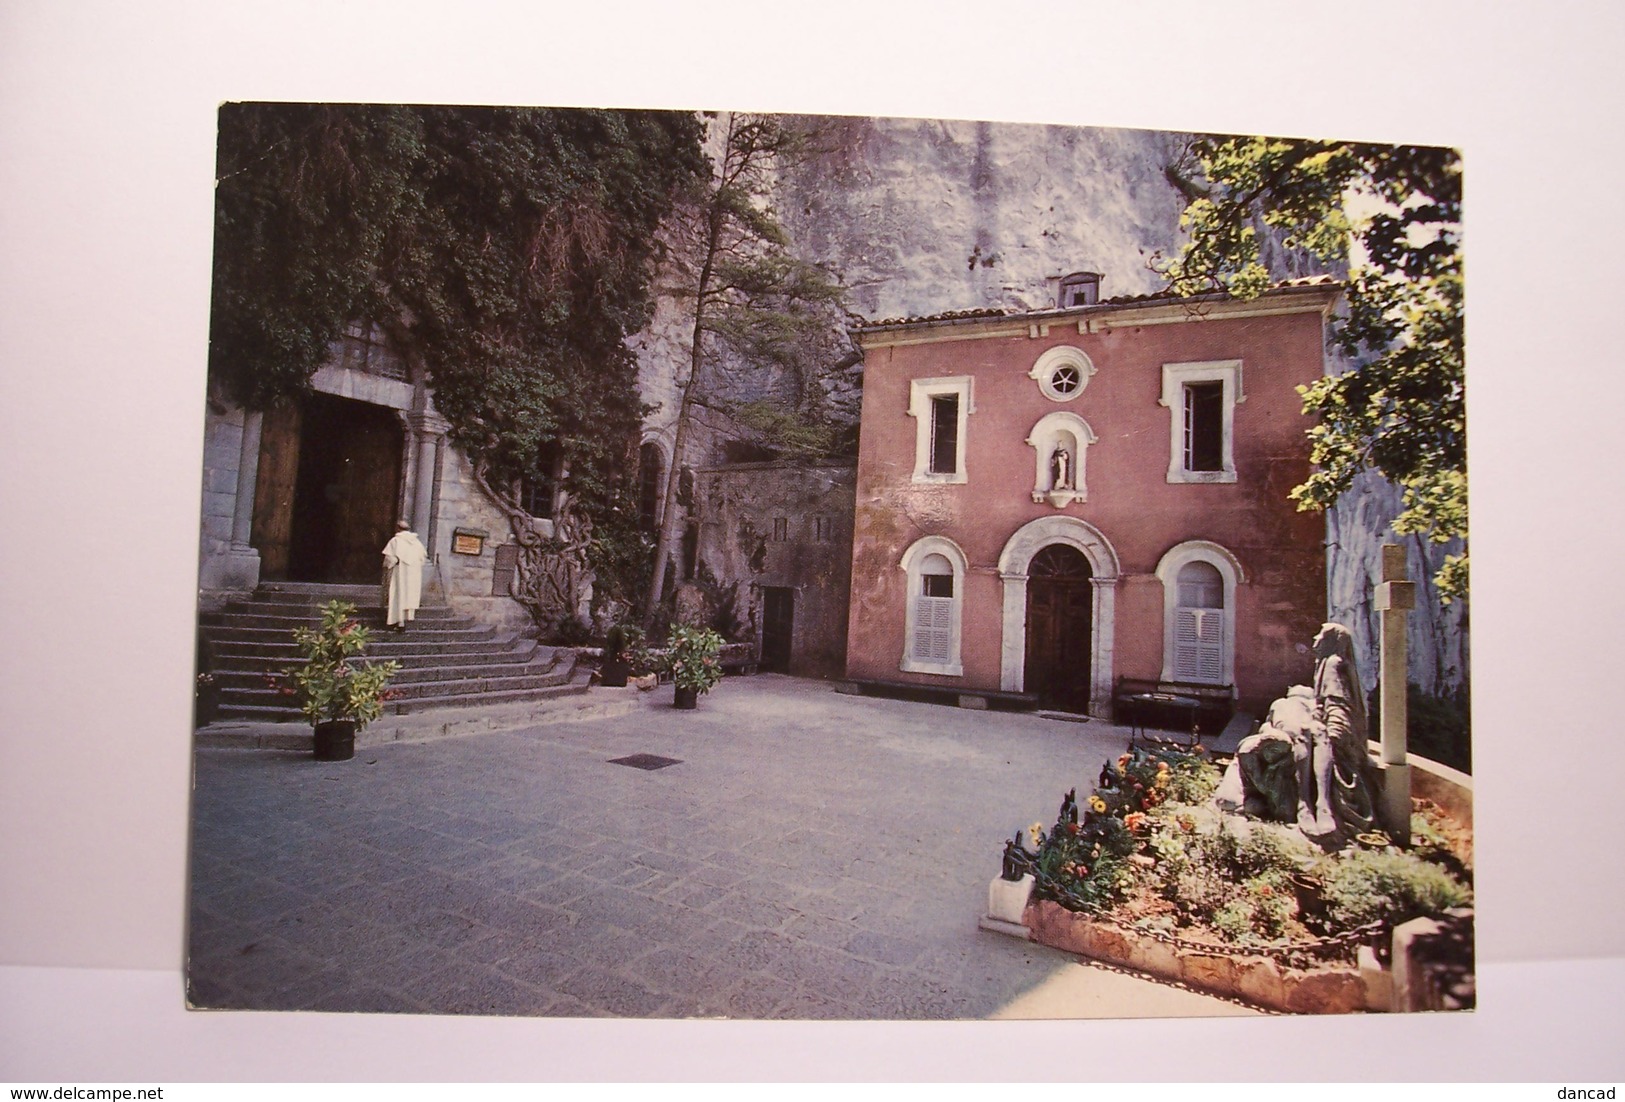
468 541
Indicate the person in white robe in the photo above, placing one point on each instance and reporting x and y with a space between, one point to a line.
404 556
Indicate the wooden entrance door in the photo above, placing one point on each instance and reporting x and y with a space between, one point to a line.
278 474
328 490
1060 602
778 627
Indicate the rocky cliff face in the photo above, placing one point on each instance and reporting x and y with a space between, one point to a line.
923 216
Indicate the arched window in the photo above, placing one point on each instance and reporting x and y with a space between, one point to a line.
1199 581
1199 624
936 577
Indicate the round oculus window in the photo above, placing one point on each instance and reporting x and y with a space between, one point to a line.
1064 381
1062 373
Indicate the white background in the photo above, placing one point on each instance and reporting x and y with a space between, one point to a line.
107 117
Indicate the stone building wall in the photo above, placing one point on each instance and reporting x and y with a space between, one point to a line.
780 525
473 583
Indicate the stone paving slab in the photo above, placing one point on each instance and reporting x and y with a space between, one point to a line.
812 855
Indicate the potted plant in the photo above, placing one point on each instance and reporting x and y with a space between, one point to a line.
624 656
338 696
205 700
693 662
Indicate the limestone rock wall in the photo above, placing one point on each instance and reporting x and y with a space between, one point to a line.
1356 530
922 216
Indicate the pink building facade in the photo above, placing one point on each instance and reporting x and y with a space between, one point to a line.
1047 502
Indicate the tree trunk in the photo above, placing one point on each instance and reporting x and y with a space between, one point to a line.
685 411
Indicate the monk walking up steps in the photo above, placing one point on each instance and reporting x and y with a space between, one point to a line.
404 556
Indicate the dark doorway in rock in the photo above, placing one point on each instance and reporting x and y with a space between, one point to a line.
778 627
327 494
1060 602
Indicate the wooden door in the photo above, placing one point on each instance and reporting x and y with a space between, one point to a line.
347 493
1060 603
778 627
278 474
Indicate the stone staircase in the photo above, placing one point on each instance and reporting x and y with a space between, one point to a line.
446 660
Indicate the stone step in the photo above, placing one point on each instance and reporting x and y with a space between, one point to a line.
288 617
446 668
520 678
565 704
454 631
229 655
409 705
447 659
322 592
522 653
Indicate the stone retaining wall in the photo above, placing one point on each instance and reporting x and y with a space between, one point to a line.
1335 989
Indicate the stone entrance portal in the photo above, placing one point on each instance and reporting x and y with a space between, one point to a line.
328 489
1059 617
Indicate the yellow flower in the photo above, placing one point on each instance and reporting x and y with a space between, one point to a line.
1097 804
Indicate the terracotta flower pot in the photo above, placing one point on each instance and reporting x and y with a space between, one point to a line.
335 740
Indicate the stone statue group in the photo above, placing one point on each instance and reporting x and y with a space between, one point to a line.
1309 763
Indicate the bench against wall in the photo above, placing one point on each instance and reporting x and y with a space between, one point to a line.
1215 704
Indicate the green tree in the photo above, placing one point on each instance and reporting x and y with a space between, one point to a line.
1393 215
752 306
507 252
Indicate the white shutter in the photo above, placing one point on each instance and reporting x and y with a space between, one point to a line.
1199 645
933 629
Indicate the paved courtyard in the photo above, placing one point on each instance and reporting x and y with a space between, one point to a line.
812 855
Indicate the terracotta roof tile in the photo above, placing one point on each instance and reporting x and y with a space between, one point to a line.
1118 300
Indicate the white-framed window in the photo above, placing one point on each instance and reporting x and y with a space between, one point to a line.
940 408
1201 400
1060 443
1062 373
936 596
1199 580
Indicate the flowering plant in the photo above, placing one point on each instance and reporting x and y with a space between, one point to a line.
328 685
692 658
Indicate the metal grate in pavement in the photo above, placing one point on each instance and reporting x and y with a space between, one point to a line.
645 761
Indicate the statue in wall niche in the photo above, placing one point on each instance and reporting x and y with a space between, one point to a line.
1060 469
1309 762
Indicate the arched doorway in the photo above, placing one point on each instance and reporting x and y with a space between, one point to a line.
1060 600
1025 545
328 490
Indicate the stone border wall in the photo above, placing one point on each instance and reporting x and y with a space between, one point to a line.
1335 989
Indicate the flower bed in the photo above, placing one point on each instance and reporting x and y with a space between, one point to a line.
1147 873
